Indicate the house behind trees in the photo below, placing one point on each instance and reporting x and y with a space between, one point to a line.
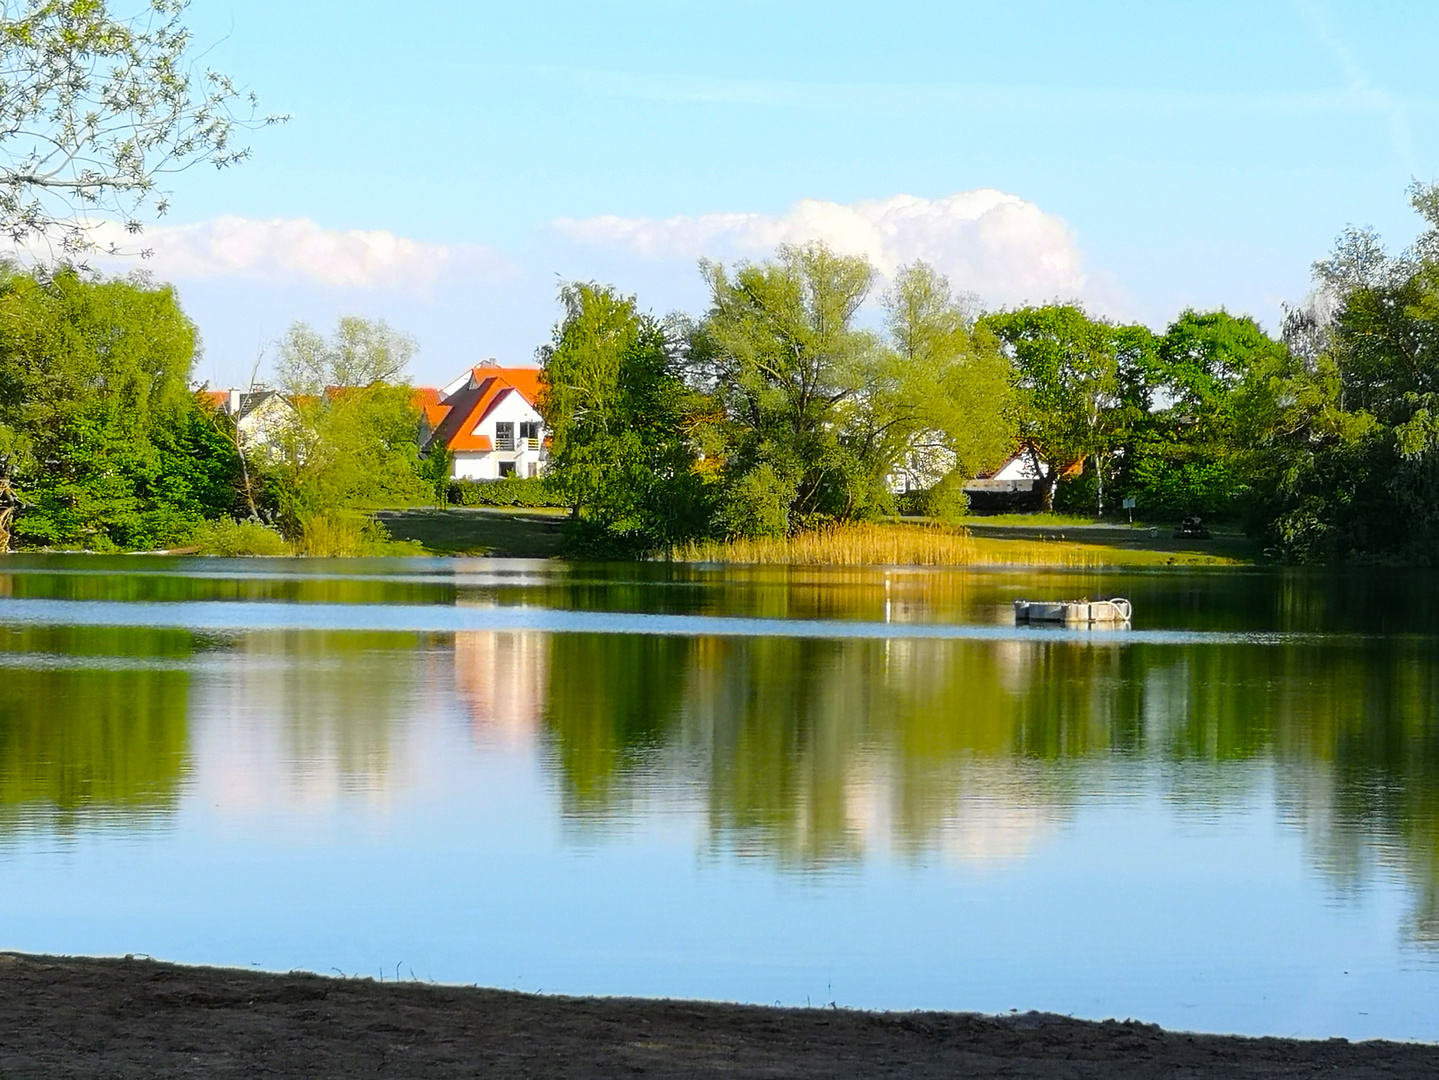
489 421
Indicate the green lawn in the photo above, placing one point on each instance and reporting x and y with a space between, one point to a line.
487 530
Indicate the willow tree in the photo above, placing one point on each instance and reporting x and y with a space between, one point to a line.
946 409
780 350
350 437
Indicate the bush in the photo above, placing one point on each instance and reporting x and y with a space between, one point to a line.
507 491
945 502
234 538
342 535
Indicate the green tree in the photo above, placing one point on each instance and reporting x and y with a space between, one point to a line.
98 109
617 411
796 380
1081 384
108 447
946 407
1188 455
352 437
1349 434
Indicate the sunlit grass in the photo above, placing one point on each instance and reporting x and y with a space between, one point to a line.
1038 520
869 544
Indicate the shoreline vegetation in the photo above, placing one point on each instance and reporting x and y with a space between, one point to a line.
134 1018
930 545
811 401
773 427
1018 541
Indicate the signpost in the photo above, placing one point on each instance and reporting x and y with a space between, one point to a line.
1129 505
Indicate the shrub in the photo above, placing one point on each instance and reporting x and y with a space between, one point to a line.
339 535
507 491
234 538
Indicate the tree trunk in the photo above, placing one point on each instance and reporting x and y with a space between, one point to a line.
8 503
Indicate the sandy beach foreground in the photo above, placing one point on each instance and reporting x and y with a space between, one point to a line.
62 1017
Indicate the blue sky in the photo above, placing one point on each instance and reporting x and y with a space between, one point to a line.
1152 156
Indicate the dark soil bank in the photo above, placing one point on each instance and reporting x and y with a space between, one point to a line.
133 1018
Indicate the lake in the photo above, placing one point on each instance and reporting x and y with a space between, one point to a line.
802 786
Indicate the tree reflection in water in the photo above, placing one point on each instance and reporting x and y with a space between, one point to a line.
814 751
92 725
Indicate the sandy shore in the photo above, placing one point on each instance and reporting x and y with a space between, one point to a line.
63 1017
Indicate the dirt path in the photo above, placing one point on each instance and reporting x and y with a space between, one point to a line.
134 1018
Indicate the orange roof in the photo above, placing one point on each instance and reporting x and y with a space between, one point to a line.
467 408
524 379
422 397
435 415
215 399
470 442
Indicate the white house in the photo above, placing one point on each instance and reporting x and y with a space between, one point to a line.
489 421
261 416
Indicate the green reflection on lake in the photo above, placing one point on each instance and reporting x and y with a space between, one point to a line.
813 750
92 724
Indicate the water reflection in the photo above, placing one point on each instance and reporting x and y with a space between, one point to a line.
502 677
814 752
811 754
309 718
93 726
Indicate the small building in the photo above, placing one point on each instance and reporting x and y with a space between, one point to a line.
1018 484
489 420
260 415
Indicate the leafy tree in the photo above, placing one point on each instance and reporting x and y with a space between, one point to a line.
1350 439
1081 384
351 440
108 447
1189 454
617 411
98 108
434 470
795 376
360 353
947 403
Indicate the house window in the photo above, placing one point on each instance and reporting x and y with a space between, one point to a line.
507 468
505 436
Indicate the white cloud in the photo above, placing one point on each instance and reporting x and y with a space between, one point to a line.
282 250
999 246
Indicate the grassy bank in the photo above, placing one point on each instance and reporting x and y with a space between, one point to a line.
904 544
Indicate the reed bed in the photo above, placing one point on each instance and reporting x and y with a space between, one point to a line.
872 544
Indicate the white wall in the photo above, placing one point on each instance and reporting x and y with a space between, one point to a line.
477 465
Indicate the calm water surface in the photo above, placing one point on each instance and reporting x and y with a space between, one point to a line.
793 786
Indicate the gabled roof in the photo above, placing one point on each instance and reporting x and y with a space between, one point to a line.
466 407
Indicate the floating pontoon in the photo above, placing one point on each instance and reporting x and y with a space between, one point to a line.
1113 612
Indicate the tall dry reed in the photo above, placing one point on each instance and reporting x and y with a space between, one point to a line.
871 544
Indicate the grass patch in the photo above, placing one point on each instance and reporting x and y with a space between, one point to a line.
1040 520
925 545
523 534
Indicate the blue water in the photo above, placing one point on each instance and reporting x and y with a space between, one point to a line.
804 787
